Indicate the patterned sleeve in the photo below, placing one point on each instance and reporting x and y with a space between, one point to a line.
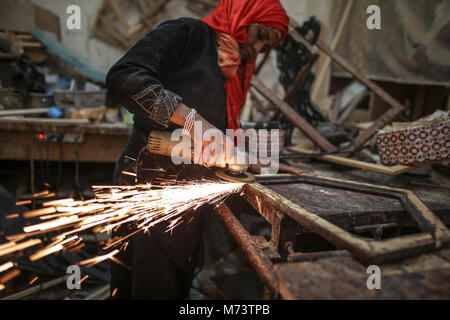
135 81
158 103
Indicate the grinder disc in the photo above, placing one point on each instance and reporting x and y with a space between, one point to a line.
235 177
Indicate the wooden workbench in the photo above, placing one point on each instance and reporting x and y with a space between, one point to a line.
321 274
101 142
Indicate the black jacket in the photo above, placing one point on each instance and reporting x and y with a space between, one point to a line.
176 62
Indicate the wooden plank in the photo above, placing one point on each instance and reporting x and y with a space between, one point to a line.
116 8
106 38
293 116
143 5
4 113
392 171
147 15
115 32
29 44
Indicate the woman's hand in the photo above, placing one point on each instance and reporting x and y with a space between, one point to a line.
207 151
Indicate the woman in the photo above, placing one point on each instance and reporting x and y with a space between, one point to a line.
182 66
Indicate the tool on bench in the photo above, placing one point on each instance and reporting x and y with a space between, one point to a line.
160 142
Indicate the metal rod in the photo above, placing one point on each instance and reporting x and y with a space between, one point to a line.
262 265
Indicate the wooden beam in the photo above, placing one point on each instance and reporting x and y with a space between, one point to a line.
143 5
115 32
392 171
148 14
14 112
99 34
389 116
293 116
116 8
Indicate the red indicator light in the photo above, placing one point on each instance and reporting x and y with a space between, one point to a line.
41 136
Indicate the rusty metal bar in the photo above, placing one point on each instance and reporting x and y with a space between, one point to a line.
262 265
293 116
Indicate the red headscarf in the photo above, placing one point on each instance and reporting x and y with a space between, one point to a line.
232 17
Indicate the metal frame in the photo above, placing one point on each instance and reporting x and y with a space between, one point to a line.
273 206
262 254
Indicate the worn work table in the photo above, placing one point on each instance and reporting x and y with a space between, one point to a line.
338 274
100 142
423 277
349 209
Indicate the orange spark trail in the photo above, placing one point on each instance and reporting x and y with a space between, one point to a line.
142 206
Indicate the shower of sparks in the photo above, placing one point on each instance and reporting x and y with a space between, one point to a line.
142 206
32 281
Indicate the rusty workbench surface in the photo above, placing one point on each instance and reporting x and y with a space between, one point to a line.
313 271
348 209
423 277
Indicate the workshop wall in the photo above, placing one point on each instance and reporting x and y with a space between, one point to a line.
103 56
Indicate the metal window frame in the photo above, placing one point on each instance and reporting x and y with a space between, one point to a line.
273 206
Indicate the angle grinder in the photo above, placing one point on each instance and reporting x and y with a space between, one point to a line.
160 142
